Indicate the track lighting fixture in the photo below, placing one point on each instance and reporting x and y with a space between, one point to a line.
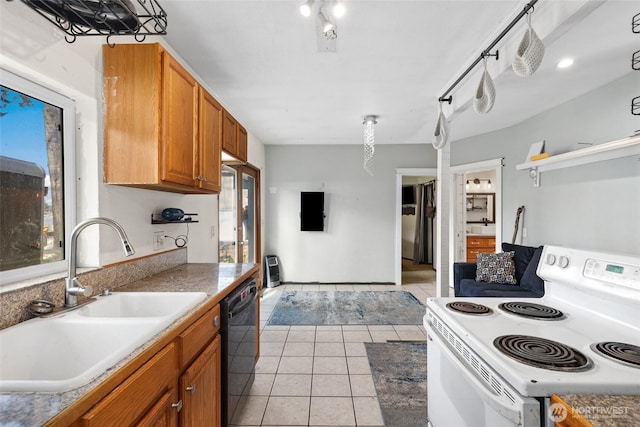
327 25
305 8
326 9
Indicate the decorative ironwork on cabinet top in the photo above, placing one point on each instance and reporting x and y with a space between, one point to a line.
138 18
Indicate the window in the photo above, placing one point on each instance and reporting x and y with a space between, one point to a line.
36 178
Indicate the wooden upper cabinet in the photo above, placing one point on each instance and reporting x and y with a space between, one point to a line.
179 123
241 147
156 123
229 134
210 146
234 138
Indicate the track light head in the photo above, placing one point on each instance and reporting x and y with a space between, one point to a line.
327 25
305 8
338 9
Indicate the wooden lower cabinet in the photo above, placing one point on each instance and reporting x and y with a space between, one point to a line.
200 389
164 413
571 417
479 244
179 386
140 394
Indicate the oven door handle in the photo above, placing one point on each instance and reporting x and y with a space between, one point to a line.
511 412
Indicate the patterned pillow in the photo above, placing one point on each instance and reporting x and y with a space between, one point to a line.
496 268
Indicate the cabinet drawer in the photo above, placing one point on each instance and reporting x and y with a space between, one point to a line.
194 338
138 394
485 242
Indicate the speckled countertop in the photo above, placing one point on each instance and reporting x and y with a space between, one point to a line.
606 411
35 409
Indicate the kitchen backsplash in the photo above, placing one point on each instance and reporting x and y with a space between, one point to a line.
14 304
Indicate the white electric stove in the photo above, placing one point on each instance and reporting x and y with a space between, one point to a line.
495 361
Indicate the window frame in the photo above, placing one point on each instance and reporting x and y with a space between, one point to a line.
28 87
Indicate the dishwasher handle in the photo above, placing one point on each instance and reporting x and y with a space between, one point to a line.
247 298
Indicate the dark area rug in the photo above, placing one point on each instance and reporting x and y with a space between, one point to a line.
347 308
400 377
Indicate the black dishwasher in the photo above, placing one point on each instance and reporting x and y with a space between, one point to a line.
239 346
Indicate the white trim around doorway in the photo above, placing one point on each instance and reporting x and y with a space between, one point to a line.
399 174
460 170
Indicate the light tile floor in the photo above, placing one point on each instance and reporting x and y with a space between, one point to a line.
319 375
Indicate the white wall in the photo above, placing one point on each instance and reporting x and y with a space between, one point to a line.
36 50
594 206
358 243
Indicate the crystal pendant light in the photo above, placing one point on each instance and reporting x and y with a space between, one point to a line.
369 143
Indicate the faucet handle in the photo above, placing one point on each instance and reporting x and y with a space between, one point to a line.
78 290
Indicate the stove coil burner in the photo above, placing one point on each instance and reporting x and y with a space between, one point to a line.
469 308
542 353
531 310
619 351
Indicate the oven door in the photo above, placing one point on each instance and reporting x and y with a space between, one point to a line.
457 397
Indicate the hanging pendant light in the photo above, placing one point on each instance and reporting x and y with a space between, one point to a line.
369 143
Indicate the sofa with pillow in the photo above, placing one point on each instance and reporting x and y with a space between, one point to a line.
511 273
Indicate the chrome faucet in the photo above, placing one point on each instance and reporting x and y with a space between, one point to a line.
72 285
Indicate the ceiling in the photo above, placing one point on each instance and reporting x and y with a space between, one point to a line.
268 64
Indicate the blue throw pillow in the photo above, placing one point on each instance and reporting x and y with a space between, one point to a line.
522 257
530 279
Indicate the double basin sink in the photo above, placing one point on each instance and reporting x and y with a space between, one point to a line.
69 350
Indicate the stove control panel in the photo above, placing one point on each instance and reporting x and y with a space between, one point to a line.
617 273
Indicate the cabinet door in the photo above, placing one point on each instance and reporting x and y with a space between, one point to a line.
241 146
229 134
200 389
164 413
137 395
209 153
179 123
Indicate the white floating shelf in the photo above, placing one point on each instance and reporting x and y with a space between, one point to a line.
610 150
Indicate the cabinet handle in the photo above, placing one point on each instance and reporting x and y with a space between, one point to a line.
191 389
178 405
216 321
202 178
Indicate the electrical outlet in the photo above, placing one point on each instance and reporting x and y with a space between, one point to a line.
158 240
524 232
212 232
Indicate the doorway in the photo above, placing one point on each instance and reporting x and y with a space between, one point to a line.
403 240
239 214
477 208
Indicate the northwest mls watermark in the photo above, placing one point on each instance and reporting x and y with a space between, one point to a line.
559 412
